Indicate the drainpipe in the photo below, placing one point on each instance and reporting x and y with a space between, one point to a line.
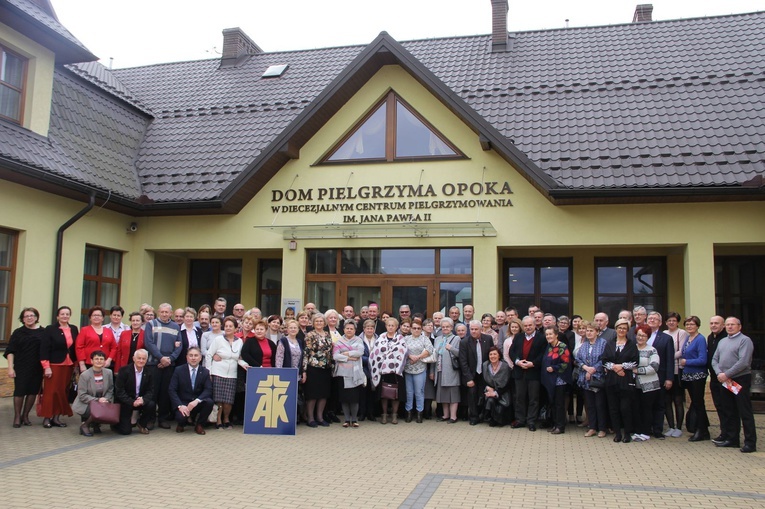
60 248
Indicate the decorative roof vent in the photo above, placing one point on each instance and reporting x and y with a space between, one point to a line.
237 47
643 12
499 37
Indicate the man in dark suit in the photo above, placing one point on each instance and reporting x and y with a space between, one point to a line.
526 353
133 390
191 392
474 351
665 346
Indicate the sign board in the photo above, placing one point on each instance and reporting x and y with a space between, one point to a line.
270 405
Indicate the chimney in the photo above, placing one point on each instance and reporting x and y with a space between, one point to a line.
499 39
237 47
643 12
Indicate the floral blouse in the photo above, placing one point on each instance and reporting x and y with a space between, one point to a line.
318 351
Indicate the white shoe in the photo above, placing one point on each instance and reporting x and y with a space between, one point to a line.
678 433
637 438
670 432
645 437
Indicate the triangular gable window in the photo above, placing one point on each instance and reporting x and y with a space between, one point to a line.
392 131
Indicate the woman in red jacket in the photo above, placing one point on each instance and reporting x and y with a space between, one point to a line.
95 337
57 356
130 341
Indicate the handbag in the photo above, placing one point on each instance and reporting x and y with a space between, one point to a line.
431 359
104 413
388 390
597 383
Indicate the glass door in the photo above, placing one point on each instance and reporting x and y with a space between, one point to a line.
417 296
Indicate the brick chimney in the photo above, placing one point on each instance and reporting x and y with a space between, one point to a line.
499 38
237 47
643 12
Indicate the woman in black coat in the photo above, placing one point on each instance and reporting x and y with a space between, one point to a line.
619 357
58 358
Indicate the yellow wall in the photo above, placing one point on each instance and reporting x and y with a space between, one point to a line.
39 81
155 265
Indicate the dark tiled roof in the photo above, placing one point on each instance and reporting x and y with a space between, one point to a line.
91 140
673 104
102 77
49 22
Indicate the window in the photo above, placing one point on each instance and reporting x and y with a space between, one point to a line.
426 279
210 279
392 131
270 287
623 283
8 242
542 282
740 292
102 279
12 70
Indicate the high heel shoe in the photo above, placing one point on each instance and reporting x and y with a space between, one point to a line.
17 423
58 423
85 430
47 424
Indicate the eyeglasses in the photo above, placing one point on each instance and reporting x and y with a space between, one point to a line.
415 328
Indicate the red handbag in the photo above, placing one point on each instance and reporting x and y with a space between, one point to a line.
104 413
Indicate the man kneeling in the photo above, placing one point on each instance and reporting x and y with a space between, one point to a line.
191 393
133 391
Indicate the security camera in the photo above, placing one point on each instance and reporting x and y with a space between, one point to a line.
132 228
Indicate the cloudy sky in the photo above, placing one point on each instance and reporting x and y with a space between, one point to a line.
141 32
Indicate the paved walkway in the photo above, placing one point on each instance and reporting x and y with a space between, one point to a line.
409 465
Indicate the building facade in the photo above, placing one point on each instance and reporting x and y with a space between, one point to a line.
581 170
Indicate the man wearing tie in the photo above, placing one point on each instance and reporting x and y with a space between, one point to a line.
191 393
133 390
474 351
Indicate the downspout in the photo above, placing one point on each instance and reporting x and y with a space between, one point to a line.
60 249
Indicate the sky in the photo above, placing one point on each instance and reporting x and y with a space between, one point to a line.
143 32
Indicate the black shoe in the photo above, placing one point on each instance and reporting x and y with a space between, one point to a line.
627 439
748 448
719 438
658 436
325 423
408 416
419 417
58 424
473 422
97 429
517 424
313 424
618 438
164 424
699 436
532 427
557 431
362 418
331 417
85 431
728 443
452 421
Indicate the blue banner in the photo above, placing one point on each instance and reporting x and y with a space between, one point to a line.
270 405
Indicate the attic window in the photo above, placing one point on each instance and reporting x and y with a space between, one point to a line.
392 131
274 71
12 71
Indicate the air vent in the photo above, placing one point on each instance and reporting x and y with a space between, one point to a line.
275 71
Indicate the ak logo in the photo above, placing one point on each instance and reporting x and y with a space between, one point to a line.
272 400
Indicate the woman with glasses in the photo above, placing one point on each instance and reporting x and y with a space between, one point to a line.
418 347
693 362
619 359
647 385
222 360
23 354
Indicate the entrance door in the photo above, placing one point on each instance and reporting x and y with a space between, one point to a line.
390 294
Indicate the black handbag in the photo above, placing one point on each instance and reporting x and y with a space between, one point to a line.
597 383
455 361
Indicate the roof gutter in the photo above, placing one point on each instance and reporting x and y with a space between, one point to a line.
584 194
60 248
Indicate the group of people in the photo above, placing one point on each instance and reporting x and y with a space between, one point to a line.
190 367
